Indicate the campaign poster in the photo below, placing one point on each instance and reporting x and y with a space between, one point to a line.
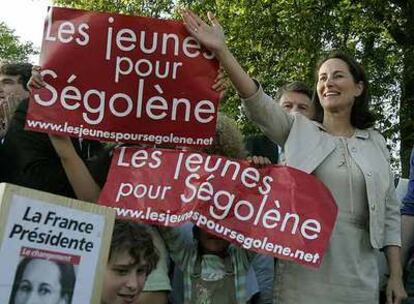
118 78
51 246
275 210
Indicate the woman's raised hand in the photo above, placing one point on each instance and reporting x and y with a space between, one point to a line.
211 36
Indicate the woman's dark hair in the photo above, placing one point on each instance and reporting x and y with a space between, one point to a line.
361 116
136 240
67 278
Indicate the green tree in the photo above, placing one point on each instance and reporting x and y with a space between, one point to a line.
280 41
150 8
397 18
11 49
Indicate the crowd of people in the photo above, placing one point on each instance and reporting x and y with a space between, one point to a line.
328 133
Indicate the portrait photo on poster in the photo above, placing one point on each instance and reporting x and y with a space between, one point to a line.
44 277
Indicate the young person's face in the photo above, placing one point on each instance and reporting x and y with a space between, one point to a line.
11 85
211 243
295 102
40 284
124 279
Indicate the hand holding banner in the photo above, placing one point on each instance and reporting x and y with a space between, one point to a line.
275 210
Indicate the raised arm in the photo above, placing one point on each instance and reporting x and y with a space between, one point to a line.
79 177
212 37
261 109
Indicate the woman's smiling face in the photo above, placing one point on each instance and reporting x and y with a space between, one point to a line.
336 86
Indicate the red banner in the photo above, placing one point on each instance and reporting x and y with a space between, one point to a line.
36 253
275 210
123 78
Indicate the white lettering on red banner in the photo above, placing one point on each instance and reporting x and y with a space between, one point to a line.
123 78
275 210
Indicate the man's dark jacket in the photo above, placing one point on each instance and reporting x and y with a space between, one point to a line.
29 159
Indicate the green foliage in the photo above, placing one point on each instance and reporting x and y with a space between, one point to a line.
150 8
280 41
10 47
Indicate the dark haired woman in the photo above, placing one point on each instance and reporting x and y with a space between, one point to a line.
43 281
351 159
